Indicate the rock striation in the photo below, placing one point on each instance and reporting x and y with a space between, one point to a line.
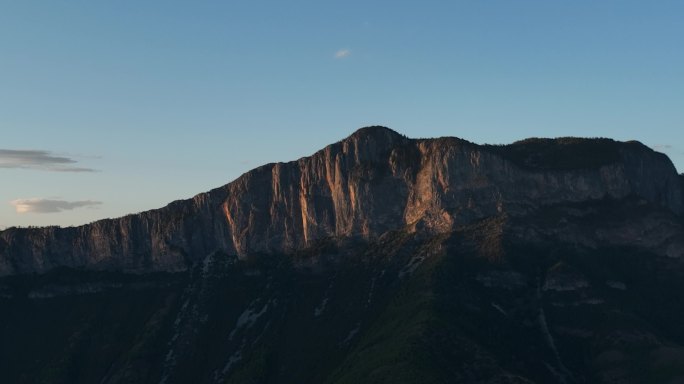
374 181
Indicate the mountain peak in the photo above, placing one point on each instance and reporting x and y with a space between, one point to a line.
374 130
377 133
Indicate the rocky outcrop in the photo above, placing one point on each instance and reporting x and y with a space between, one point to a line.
374 181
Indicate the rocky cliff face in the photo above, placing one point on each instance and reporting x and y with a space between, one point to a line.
374 181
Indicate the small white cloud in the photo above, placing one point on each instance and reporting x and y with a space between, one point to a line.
38 205
38 159
342 53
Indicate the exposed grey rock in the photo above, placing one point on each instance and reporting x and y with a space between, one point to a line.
501 279
616 285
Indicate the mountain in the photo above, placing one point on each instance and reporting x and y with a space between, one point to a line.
378 259
372 182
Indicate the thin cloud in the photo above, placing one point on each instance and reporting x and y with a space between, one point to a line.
669 149
37 205
342 53
39 160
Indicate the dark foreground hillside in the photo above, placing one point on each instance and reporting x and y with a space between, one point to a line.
476 305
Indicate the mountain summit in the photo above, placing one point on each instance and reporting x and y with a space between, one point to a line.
378 259
374 181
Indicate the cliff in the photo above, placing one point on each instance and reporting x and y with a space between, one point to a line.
374 181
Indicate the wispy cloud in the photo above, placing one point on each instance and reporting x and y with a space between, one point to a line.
669 149
662 147
40 160
342 53
38 205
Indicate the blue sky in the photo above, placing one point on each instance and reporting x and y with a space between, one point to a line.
114 107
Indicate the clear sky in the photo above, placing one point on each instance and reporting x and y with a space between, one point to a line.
114 107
